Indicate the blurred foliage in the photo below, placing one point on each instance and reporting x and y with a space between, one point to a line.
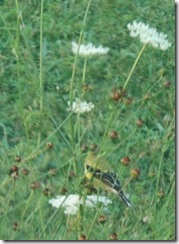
40 140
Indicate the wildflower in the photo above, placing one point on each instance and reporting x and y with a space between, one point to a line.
72 202
149 35
80 107
93 199
89 49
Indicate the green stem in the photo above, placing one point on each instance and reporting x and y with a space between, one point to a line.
161 159
33 153
92 225
73 74
84 70
61 134
17 53
30 197
131 118
107 127
80 218
160 166
134 65
41 56
128 78
67 224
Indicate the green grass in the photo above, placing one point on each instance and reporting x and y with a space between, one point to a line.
38 78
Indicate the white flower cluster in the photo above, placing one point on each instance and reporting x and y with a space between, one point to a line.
80 107
72 202
89 49
149 35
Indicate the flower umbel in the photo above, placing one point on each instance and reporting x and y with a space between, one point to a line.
72 202
80 107
149 35
89 49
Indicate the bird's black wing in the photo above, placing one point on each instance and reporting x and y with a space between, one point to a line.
109 178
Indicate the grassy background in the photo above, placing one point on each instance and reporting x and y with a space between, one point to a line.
36 64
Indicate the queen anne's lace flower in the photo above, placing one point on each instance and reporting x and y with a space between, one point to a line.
80 107
72 202
89 49
149 35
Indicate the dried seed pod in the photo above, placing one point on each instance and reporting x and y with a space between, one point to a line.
71 175
139 122
135 173
82 237
35 185
46 192
25 171
102 219
116 95
93 147
125 160
14 172
15 226
18 158
63 190
161 194
52 172
113 134
113 236
14 168
49 145
128 100
167 84
84 148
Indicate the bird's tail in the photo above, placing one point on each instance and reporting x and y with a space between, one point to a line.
124 198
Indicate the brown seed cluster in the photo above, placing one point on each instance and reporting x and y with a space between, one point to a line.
49 145
84 148
18 158
25 171
35 185
93 147
82 237
117 94
135 173
63 190
102 219
47 192
167 84
113 236
113 134
125 160
14 172
140 122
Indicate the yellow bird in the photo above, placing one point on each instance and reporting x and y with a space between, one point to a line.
98 170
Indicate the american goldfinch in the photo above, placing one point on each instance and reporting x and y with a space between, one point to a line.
98 170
